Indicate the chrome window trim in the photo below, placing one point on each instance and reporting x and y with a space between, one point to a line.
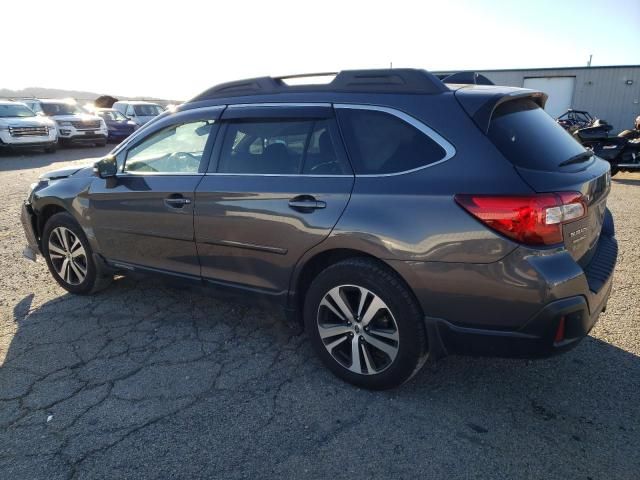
157 174
276 175
449 149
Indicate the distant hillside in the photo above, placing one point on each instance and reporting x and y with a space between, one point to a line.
40 92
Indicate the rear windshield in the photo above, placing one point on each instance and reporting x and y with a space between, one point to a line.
528 137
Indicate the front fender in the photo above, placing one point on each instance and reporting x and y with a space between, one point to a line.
68 194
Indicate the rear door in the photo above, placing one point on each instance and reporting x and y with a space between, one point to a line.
277 185
550 160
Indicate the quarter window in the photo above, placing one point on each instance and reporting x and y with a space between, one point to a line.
176 149
281 147
380 143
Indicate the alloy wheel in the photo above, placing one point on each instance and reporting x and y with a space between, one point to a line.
358 329
67 255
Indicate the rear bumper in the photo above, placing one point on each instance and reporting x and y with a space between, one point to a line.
536 339
514 308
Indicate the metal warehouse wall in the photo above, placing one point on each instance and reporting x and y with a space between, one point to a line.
602 91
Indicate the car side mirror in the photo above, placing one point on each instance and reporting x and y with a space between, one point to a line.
106 168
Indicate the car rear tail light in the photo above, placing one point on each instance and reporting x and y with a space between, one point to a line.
531 219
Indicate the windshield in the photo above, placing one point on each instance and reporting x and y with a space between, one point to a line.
16 110
113 115
147 110
528 137
52 109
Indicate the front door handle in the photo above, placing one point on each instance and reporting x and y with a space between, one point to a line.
176 201
306 203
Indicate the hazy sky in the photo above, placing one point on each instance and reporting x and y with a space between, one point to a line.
175 49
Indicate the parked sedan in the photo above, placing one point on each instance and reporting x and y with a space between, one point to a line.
119 126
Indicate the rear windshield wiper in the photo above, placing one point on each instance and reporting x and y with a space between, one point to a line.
579 158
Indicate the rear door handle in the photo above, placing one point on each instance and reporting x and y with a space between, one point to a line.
176 201
306 203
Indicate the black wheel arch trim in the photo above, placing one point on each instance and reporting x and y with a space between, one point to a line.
293 307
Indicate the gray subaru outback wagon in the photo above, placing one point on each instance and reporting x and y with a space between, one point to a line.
393 215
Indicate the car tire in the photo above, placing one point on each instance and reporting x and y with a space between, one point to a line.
69 256
386 327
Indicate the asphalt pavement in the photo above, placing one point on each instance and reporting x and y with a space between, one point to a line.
152 380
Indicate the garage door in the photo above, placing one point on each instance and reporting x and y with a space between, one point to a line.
559 89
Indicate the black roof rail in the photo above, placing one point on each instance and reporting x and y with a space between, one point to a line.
471 78
397 80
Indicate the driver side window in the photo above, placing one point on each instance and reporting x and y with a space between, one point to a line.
175 149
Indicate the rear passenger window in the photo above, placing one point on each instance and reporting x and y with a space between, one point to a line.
380 143
280 147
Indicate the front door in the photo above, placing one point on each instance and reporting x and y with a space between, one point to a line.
278 187
144 217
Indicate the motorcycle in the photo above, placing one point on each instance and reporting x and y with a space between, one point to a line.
622 152
632 134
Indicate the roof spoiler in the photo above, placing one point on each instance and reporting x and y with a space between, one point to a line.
480 104
397 80
471 78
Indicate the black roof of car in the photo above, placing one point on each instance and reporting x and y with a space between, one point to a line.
401 80
476 97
